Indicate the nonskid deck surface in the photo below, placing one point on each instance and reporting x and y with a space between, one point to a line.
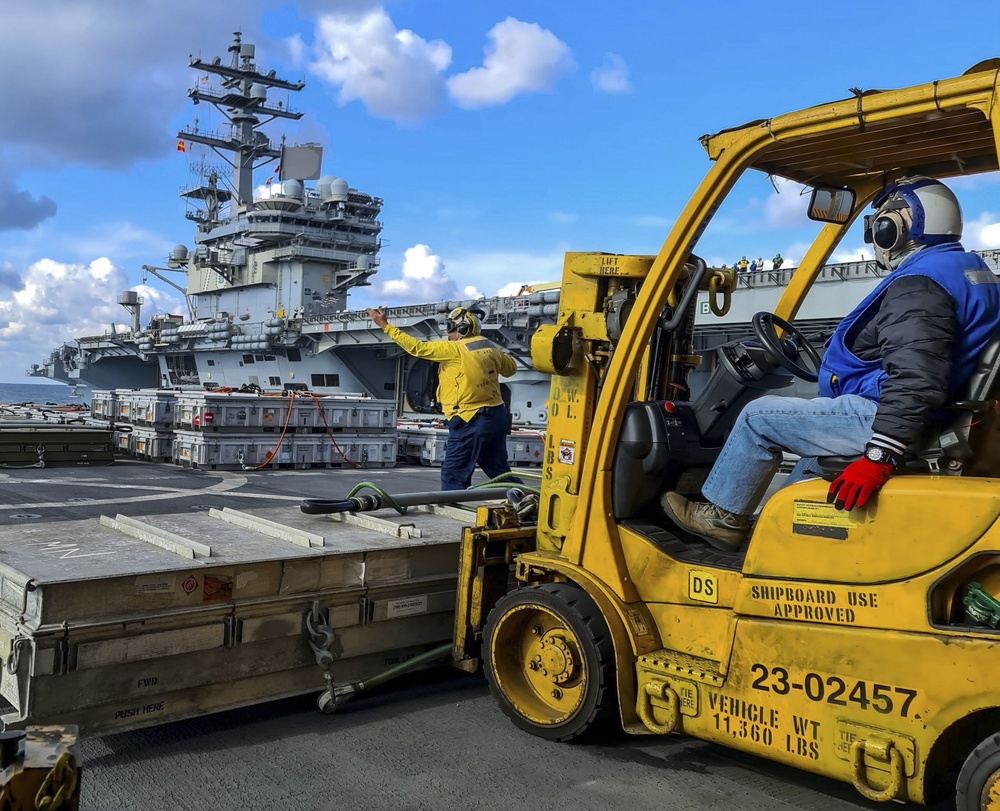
143 488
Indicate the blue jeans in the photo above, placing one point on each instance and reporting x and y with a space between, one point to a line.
482 440
823 426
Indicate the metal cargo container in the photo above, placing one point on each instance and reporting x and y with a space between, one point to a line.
104 404
153 407
363 450
171 616
426 445
356 414
422 444
219 412
208 412
65 445
150 443
525 447
228 451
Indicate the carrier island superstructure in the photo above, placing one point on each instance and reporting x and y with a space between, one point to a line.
266 286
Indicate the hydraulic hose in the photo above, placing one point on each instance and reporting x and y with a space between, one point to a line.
402 667
369 502
336 696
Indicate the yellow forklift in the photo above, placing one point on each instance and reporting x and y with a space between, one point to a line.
859 645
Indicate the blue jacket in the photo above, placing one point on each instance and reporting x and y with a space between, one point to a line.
976 295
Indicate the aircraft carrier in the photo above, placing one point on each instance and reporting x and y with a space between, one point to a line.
268 281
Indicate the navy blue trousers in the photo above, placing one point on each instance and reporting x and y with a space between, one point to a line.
482 440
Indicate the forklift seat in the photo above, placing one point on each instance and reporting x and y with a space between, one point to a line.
966 443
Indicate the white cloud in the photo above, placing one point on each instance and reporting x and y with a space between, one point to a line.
493 270
472 275
423 279
394 73
982 232
515 288
59 302
563 217
611 76
786 208
860 253
519 58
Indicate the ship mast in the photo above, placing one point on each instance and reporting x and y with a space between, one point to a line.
242 99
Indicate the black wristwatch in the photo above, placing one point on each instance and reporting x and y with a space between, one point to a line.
876 453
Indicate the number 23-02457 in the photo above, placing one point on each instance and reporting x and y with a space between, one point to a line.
883 698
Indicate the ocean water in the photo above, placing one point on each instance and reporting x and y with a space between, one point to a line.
39 393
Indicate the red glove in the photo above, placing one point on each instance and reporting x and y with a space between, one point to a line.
857 482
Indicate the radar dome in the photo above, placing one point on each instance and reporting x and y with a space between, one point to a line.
179 253
338 191
291 188
258 91
323 186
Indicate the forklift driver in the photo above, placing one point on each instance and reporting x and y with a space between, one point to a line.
904 350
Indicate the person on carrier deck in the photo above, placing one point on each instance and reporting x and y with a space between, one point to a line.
906 349
469 393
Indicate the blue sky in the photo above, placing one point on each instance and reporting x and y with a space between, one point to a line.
500 134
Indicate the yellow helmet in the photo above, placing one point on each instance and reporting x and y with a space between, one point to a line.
463 321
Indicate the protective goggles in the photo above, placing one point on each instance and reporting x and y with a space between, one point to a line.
887 229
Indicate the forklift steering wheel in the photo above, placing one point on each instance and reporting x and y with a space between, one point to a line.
764 324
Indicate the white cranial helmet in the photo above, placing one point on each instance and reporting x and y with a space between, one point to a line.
911 214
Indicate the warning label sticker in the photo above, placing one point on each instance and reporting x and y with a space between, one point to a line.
567 451
151 583
218 588
821 520
406 606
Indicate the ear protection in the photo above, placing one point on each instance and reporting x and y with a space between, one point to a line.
465 320
462 321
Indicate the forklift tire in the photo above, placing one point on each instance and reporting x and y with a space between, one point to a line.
978 786
550 661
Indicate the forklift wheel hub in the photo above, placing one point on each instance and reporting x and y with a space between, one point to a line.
557 658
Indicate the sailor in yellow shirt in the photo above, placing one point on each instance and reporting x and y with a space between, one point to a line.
469 392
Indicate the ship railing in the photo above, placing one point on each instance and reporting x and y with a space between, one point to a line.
286 251
110 337
499 311
273 221
841 271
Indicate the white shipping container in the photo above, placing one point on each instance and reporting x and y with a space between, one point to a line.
146 407
426 445
150 443
104 404
211 412
226 451
230 451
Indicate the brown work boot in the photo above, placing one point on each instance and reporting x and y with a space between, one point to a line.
722 529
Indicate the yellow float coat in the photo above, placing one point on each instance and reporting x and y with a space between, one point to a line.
469 375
